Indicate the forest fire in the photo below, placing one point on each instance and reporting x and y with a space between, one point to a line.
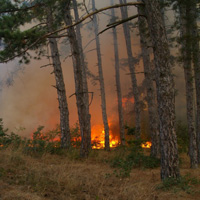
146 145
98 138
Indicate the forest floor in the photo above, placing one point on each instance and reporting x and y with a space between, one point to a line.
64 177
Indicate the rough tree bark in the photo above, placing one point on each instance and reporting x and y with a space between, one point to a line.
186 51
80 88
165 91
60 85
149 83
101 79
117 79
131 64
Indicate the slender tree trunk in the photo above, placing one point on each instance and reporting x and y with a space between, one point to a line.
149 83
117 79
186 50
80 87
79 39
101 80
60 86
165 91
196 63
131 64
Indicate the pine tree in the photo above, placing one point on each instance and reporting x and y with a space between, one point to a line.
149 83
131 65
196 63
60 85
101 79
13 40
81 94
117 79
16 43
165 90
186 51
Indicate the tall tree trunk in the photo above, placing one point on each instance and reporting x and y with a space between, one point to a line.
117 79
80 88
60 86
186 50
101 80
165 91
79 39
131 64
149 83
196 63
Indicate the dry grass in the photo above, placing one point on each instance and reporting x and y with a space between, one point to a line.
56 177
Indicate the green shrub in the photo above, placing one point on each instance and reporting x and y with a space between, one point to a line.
43 142
8 139
135 158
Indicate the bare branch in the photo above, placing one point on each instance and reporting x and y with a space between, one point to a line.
117 23
84 4
72 95
50 64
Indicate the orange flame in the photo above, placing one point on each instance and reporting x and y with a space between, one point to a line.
146 145
98 138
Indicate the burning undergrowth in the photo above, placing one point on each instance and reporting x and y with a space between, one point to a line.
42 141
49 141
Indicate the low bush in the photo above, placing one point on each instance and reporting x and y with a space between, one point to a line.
42 142
135 158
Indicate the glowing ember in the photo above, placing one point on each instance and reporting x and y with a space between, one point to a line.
146 145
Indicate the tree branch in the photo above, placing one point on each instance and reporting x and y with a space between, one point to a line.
21 9
117 23
50 64
72 25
